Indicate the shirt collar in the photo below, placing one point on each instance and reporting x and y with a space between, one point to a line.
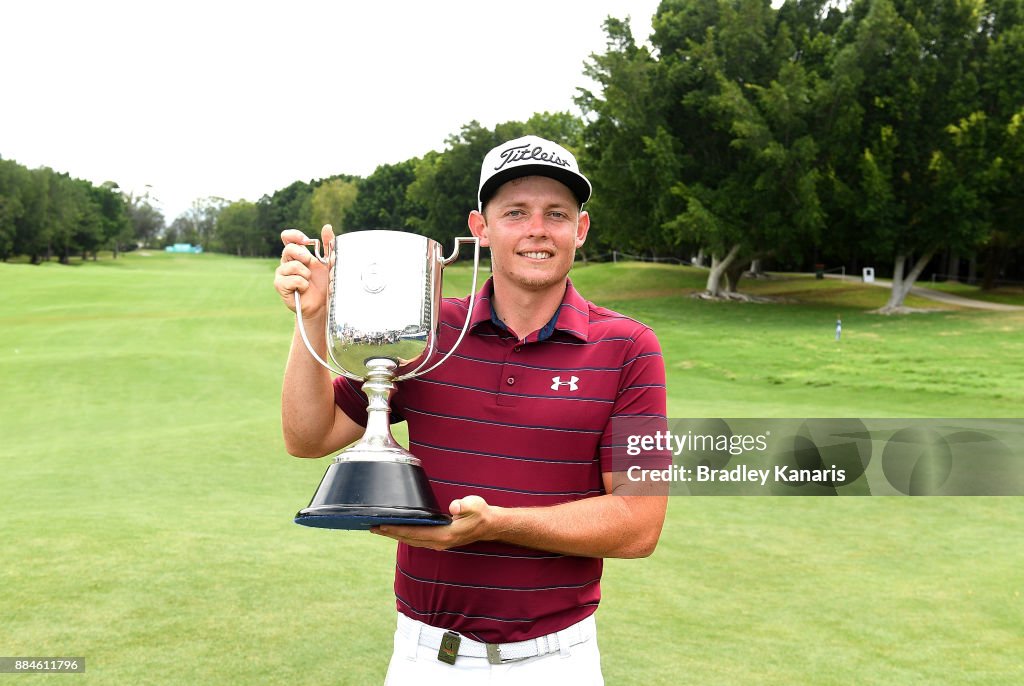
571 317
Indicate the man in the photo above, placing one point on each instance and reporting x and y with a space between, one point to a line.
514 430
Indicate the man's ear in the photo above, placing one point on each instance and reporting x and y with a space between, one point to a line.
478 227
582 228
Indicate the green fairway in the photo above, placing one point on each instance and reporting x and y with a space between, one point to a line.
148 499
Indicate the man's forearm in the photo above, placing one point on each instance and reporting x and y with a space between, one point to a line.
603 526
307 400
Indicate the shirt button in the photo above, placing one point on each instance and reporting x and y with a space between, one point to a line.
517 348
510 380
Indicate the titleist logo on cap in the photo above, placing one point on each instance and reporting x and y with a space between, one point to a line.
526 156
521 153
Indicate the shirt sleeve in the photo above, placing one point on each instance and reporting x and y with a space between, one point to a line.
349 396
640 408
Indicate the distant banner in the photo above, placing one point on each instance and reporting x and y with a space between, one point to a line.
819 456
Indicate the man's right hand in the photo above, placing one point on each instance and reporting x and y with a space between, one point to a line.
312 423
301 271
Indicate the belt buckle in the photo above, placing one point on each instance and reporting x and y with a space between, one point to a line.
494 654
449 649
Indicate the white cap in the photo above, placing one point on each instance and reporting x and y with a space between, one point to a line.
530 156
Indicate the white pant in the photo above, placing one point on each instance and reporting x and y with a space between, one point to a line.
415 664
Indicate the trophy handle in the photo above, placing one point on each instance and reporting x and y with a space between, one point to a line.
469 313
315 242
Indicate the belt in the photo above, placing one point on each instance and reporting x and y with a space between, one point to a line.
499 653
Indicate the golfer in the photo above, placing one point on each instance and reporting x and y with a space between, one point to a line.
514 431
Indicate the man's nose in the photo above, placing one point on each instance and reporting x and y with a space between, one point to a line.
537 226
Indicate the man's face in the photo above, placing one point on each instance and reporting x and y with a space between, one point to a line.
533 226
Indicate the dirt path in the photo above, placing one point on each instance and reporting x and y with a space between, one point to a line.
946 298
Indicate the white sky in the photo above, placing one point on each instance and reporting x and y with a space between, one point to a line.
239 99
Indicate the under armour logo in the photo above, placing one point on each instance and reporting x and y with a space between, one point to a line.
556 381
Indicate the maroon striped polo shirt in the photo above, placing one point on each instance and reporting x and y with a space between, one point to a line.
521 423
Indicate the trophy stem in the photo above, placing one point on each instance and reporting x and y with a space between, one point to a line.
377 442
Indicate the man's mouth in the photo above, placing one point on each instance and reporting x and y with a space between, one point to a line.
536 254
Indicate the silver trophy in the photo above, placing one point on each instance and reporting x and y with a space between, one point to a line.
383 304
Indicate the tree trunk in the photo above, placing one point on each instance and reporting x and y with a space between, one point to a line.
718 267
997 259
733 274
953 269
901 284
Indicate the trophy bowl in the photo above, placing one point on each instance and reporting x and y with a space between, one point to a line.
383 308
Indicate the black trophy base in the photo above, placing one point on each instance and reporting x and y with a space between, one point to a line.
357 495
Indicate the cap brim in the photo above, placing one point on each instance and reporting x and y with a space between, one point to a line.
576 183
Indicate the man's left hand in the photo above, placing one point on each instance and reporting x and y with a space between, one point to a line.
472 519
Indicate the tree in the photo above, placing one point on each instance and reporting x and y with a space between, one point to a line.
31 233
14 182
147 221
446 183
708 140
1002 114
383 201
913 74
238 230
747 85
289 207
331 202
177 231
627 149
199 222
62 213
116 226
88 230
43 212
